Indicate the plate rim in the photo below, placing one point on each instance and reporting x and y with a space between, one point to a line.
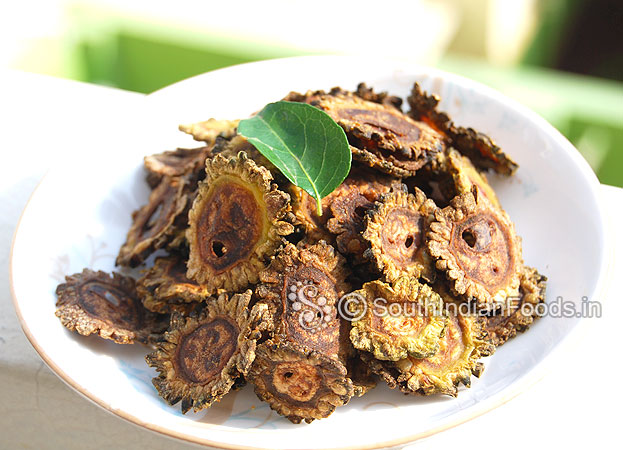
512 391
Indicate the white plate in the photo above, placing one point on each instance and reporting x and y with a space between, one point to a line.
79 215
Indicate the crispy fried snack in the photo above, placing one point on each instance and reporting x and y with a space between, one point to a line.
348 209
478 147
306 217
381 135
362 91
383 98
514 317
178 163
343 210
457 305
165 288
362 377
465 176
232 147
157 223
396 230
302 372
456 361
302 286
299 383
97 303
205 353
450 174
394 322
349 204
209 130
475 244
236 223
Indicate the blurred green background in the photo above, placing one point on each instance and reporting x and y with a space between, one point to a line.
561 58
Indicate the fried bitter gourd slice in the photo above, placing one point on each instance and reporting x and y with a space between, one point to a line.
343 210
206 352
299 383
157 223
348 206
450 174
348 209
475 244
518 313
394 322
367 93
306 216
176 163
236 144
97 303
190 162
165 288
396 230
457 305
360 374
236 223
434 180
465 176
209 130
481 149
382 136
303 285
362 91
460 348
302 372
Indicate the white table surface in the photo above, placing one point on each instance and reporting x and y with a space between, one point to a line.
575 405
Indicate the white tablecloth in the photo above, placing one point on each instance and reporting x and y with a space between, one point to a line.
575 405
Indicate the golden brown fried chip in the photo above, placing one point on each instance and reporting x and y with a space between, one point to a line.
450 174
434 180
209 130
368 94
394 322
381 136
165 287
299 383
348 209
519 312
306 216
342 210
236 223
454 364
362 91
232 147
97 303
349 204
396 230
155 224
457 305
178 163
204 354
303 286
465 176
475 244
480 149
362 377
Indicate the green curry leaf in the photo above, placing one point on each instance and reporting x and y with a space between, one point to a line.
304 143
